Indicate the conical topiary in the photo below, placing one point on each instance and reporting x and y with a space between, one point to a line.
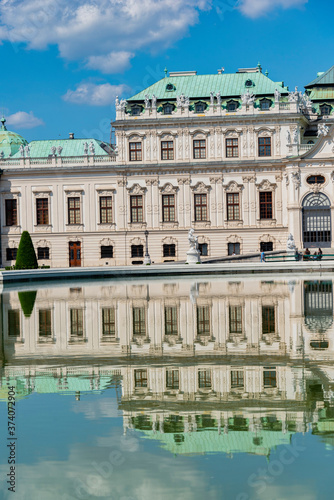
27 301
26 256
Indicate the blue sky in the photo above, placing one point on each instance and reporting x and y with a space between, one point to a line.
64 62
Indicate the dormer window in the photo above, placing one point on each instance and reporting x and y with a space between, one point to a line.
325 109
168 109
170 87
265 104
136 110
232 106
249 83
200 107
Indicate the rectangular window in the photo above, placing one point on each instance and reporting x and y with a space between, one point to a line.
167 150
168 208
44 321
140 378
237 379
171 322
203 320
43 253
74 210
233 210
199 149
137 251
266 246
266 205
264 146
172 379
235 319
233 248
11 212
42 210
200 201
76 316
135 151
13 323
136 208
108 322
268 319
139 321
269 377
107 252
11 253
232 149
204 379
105 209
203 249
169 250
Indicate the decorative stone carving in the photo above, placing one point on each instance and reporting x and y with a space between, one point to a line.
265 185
193 256
248 178
200 187
290 244
168 188
296 179
248 98
288 137
316 187
121 182
182 101
295 136
136 189
233 187
120 104
322 130
152 181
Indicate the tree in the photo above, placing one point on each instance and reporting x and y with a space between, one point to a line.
26 256
27 301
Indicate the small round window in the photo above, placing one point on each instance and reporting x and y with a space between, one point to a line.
315 179
249 83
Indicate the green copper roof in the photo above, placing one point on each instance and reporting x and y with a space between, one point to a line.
319 94
70 147
209 441
326 78
10 142
200 86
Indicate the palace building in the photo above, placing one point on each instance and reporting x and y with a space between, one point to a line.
238 157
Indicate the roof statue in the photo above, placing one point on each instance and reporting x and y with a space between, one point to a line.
248 98
53 150
277 95
182 101
59 150
21 149
92 148
154 101
85 145
120 104
219 99
27 150
147 101
212 98
322 130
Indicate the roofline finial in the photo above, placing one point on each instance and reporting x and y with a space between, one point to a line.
165 71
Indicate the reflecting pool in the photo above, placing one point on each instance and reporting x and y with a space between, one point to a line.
168 389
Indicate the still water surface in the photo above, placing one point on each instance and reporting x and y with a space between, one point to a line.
170 389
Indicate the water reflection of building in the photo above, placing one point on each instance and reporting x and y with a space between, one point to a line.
200 366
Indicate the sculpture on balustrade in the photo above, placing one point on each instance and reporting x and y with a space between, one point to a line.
59 150
147 102
182 101
277 95
219 99
85 145
120 104
212 98
322 130
92 148
53 150
193 255
248 98
154 101
27 150
21 149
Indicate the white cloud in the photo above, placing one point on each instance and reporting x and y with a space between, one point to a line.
257 8
95 95
115 62
21 119
93 29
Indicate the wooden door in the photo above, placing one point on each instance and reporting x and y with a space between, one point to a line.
75 253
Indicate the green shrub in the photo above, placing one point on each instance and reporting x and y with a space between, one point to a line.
26 256
27 301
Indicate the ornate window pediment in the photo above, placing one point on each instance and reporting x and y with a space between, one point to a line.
136 189
200 187
233 187
168 188
199 134
43 244
106 242
234 238
265 185
169 240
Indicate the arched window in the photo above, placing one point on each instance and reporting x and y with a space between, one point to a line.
316 213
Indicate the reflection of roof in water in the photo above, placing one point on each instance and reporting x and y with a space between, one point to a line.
209 441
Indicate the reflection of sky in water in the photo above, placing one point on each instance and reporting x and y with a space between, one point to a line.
248 419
